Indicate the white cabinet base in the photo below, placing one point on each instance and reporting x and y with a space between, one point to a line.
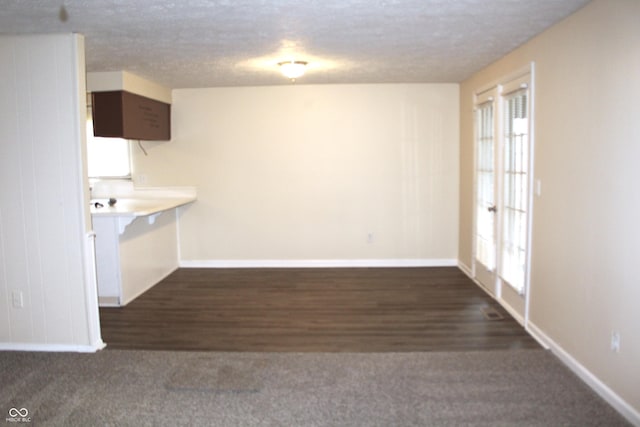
130 263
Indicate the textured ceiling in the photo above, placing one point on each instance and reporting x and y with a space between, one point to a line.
206 43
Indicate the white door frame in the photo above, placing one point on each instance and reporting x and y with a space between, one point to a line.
502 292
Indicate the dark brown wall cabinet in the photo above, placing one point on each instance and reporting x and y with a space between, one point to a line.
120 114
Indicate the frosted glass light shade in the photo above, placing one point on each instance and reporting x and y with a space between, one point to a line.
293 69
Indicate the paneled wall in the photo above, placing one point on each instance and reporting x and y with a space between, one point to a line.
45 253
313 175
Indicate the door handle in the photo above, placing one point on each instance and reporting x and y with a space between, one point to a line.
492 209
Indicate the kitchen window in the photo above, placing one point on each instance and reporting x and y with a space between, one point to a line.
108 158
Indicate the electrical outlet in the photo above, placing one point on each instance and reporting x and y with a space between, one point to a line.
17 299
615 341
141 179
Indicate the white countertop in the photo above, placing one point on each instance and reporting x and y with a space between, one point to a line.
138 206
136 202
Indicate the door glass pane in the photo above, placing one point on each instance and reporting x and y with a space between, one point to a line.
515 184
485 180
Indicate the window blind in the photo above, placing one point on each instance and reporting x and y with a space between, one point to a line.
515 188
485 178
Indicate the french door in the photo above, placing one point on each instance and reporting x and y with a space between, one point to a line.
503 192
485 201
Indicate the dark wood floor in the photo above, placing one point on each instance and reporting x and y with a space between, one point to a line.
360 310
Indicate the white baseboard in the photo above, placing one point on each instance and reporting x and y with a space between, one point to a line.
583 373
622 406
63 348
517 316
319 263
108 301
466 270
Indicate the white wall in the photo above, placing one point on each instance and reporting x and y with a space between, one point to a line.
584 282
43 214
158 241
105 81
300 175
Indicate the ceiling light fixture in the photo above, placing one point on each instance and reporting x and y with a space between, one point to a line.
292 69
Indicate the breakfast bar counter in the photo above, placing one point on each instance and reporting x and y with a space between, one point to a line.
136 239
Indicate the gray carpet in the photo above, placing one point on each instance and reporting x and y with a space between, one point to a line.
126 387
